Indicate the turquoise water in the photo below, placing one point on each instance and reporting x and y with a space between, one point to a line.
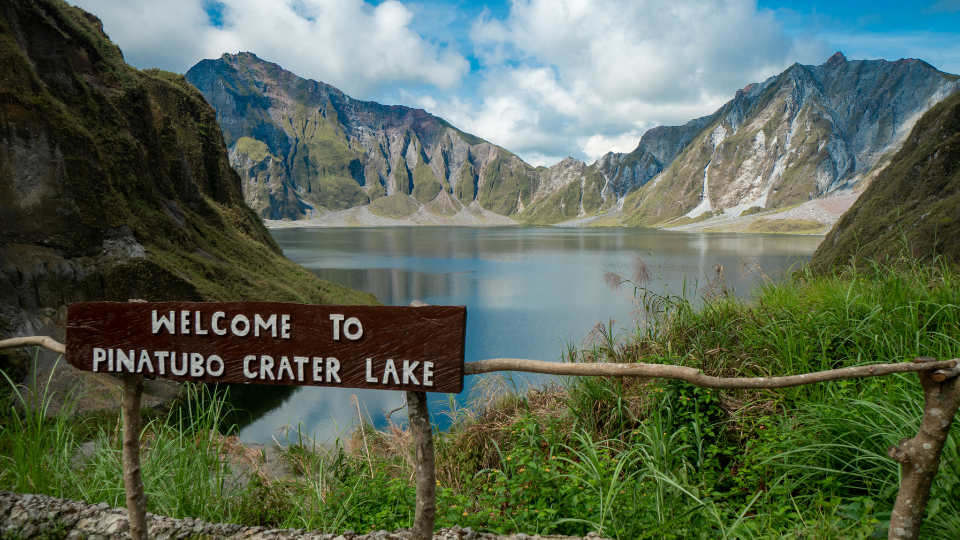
529 291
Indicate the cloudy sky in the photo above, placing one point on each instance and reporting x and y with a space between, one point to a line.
542 78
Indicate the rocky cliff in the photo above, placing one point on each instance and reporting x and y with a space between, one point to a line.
810 132
913 206
115 183
303 148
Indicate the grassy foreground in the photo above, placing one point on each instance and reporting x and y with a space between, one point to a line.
631 458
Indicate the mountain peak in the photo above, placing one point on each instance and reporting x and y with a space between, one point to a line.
837 58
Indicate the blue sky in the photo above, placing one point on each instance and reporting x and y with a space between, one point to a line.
542 78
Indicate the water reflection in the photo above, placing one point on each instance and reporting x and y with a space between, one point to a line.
528 291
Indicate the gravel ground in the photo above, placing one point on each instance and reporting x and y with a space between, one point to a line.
826 211
39 516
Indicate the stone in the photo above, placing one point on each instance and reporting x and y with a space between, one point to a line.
28 530
18 515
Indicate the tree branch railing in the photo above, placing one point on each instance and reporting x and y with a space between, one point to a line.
919 457
34 341
945 369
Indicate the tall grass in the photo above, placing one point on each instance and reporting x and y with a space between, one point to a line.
631 458
35 447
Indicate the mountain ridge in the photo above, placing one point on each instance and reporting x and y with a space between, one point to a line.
328 151
806 133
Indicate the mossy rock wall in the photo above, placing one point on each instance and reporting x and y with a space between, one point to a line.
96 147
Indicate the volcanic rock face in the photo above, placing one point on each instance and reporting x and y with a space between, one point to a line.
303 147
115 182
810 132
913 206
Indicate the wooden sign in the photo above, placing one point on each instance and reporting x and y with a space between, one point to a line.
418 349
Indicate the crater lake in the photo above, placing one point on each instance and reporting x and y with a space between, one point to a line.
530 292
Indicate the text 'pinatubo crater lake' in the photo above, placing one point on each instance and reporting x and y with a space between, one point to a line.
529 291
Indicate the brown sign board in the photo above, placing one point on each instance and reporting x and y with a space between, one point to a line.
381 347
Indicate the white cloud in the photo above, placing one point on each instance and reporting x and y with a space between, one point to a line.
350 44
598 145
555 77
600 71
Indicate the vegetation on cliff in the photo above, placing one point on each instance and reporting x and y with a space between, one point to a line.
101 155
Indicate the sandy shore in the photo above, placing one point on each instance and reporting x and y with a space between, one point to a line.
470 216
824 211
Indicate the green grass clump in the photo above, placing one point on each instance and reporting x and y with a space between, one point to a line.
425 184
394 206
675 461
787 226
252 148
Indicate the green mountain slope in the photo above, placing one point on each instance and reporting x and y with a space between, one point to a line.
115 183
913 204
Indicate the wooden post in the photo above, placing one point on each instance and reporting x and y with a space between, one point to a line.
426 474
919 457
132 480
425 514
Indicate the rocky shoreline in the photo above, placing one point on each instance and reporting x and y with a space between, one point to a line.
40 516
